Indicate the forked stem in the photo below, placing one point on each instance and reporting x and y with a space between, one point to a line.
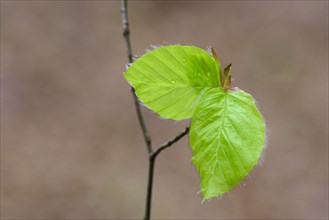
147 138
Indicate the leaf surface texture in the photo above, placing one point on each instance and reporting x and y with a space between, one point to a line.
171 79
227 139
227 133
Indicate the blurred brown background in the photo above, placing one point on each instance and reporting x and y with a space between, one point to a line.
71 146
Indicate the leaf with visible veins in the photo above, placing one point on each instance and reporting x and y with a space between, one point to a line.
227 133
170 80
227 139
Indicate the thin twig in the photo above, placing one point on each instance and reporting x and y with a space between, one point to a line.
126 35
170 142
148 205
151 154
126 30
146 135
152 158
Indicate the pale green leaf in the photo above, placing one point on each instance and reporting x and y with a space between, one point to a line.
227 138
227 132
170 80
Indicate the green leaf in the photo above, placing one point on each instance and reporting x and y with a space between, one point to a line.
227 132
227 138
172 79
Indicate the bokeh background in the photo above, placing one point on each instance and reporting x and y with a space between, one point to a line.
71 146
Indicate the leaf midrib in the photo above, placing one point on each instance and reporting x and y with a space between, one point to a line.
218 146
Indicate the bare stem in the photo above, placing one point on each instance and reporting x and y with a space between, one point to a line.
170 142
126 30
152 158
148 205
126 35
151 154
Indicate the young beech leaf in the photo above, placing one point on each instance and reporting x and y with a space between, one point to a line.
170 80
227 132
227 139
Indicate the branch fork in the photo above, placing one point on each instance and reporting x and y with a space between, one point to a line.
152 154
